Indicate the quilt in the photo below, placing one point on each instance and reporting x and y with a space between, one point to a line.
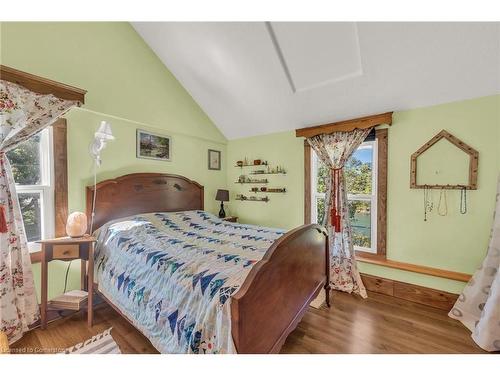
172 274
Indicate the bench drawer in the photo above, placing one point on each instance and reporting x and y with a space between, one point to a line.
65 251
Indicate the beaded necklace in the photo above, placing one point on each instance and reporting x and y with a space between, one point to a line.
442 211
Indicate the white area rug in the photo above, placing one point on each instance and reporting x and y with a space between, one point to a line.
102 343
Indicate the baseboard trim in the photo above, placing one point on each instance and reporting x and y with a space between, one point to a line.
438 272
415 293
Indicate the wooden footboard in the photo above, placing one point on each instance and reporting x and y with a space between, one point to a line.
278 290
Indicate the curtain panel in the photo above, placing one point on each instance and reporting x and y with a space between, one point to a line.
478 306
334 150
23 114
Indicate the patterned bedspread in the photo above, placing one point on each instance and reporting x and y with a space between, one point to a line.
172 275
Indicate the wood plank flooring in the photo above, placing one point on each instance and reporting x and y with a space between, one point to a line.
379 324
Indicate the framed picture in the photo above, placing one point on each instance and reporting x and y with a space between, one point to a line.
214 160
153 146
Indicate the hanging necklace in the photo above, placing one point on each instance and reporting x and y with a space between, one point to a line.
463 200
442 211
428 201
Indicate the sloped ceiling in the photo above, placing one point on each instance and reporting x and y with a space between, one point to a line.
254 78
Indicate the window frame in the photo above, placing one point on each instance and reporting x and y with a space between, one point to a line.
54 195
372 198
380 185
45 188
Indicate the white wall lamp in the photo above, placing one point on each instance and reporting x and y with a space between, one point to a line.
101 136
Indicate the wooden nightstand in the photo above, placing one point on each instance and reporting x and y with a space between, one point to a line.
66 249
232 219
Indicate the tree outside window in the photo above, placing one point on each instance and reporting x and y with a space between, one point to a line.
360 175
31 167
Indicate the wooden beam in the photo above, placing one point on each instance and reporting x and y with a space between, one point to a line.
42 85
307 183
446 274
347 125
59 136
382 140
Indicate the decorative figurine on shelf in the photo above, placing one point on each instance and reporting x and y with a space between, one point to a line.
239 163
222 196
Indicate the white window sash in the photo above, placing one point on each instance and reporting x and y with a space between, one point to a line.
45 188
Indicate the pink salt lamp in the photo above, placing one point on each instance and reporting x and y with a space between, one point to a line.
76 226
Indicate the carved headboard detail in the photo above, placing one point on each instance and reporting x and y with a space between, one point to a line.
140 193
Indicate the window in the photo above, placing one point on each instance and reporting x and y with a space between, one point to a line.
32 167
365 174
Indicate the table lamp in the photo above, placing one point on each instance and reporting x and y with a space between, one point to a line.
222 196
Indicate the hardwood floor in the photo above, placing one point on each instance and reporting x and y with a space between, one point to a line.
379 324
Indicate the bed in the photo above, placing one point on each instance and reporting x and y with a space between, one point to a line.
192 283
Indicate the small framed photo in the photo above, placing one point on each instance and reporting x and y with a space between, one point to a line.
214 161
153 146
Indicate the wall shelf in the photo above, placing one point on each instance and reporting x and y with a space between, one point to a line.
251 182
254 173
251 165
270 190
244 198
251 177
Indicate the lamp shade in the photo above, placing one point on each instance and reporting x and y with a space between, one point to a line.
76 226
222 195
104 131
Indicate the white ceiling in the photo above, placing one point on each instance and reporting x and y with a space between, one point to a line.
254 78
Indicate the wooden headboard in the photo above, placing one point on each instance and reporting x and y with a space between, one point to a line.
140 193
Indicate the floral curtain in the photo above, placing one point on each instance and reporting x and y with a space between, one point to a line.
23 113
334 150
478 306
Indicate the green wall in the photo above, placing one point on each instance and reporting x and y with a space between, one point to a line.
455 242
283 210
129 87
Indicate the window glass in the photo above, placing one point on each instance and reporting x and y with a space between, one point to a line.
320 209
322 174
358 171
360 217
25 162
32 215
31 163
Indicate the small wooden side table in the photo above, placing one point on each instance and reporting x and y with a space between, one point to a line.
66 249
232 219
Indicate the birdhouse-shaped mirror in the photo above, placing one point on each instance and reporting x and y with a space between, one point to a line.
444 162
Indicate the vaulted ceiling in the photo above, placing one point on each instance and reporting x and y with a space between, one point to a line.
254 78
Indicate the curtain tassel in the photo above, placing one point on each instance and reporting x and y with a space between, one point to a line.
335 211
3 220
